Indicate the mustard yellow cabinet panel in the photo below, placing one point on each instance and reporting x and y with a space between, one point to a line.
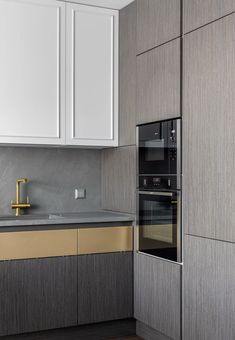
36 244
105 240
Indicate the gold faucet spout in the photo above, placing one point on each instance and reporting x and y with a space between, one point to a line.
17 204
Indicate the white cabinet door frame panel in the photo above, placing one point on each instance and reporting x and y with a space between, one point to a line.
91 117
32 72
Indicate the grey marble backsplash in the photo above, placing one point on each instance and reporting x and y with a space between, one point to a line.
53 175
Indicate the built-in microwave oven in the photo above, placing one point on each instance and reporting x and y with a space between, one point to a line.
159 189
159 147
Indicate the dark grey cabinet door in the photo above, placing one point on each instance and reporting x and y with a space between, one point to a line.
37 294
158 83
157 294
158 21
105 287
127 76
208 129
209 289
200 12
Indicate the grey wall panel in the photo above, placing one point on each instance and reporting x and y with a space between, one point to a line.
158 83
148 333
105 287
53 175
209 289
158 21
119 179
127 76
38 294
157 294
201 12
209 120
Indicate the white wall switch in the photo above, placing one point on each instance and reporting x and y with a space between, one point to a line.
80 193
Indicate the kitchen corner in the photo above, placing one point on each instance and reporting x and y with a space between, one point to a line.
117 162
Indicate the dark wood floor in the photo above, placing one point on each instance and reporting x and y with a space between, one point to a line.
117 330
127 338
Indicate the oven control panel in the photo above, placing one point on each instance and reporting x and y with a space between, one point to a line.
158 183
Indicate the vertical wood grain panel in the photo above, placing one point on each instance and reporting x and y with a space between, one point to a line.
158 83
119 179
209 276
38 294
127 75
201 12
158 21
105 287
208 126
157 294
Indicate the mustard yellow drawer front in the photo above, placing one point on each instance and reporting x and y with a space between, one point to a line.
105 240
35 244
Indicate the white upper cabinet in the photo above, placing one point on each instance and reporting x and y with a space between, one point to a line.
32 72
92 76
58 74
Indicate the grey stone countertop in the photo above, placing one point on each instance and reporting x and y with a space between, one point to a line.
65 218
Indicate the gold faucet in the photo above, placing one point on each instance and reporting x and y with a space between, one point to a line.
17 204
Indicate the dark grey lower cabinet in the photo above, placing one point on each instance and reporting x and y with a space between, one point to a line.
47 293
209 289
37 294
105 287
157 294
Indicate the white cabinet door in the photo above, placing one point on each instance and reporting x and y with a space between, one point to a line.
92 76
32 72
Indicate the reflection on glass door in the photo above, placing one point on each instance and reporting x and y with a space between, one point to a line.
159 225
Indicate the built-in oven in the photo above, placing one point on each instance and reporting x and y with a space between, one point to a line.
159 224
159 147
159 189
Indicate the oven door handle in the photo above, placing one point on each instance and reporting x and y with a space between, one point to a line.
157 193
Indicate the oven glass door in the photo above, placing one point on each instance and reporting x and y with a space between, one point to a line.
159 224
158 148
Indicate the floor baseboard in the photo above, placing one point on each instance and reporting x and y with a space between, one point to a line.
148 333
100 331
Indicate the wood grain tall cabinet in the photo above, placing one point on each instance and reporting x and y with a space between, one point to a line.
201 12
157 283
127 75
158 60
157 296
119 164
158 83
208 170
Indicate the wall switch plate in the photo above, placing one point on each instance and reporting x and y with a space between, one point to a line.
80 193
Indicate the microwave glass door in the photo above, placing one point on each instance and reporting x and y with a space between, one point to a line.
159 224
158 148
